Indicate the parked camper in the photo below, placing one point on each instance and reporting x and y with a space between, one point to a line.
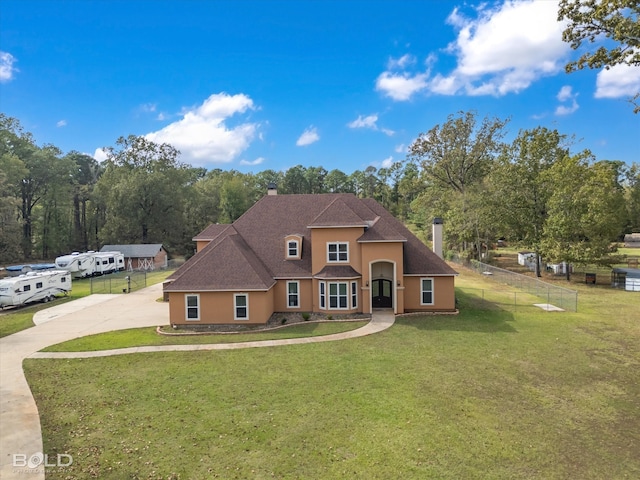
108 262
79 264
34 287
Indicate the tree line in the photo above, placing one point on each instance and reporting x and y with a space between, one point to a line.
534 191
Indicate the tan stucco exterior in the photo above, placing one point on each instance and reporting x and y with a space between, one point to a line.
444 295
280 296
320 237
218 308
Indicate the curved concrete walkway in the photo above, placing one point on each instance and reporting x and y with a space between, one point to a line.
20 432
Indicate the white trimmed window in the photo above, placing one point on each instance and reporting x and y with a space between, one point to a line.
293 294
338 252
354 295
426 291
323 297
293 249
192 304
338 296
241 306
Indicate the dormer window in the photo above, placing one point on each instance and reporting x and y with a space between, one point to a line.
293 247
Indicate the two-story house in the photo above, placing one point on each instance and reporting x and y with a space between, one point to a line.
330 253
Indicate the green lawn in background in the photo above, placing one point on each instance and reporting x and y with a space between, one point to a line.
490 393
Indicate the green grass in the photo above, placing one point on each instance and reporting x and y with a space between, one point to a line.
16 321
147 336
488 394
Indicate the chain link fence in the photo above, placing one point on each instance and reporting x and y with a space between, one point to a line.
545 293
121 282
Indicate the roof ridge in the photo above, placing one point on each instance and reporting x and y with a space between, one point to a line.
189 264
345 211
249 255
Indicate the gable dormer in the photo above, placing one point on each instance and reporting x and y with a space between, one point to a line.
293 247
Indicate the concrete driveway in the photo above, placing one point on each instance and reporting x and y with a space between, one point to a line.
20 432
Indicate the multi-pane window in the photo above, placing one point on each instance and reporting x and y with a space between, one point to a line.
193 307
323 298
426 291
293 294
338 297
39 285
27 288
292 249
338 252
241 306
354 295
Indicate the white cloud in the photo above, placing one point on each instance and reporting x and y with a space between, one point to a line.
61 123
148 107
617 82
401 86
566 95
370 122
257 161
309 136
402 148
203 137
504 49
364 122
100 155
386 163
7 70
402 62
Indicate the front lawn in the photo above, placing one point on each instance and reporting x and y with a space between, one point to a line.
490 393
136 337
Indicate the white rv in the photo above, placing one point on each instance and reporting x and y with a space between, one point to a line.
33 287
108 262
79 264
91 263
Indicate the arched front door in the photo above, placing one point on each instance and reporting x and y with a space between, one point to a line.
381 293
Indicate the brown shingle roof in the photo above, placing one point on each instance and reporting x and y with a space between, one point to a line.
250 253
337 271
338 214
383 230
211 232
418 258
229 265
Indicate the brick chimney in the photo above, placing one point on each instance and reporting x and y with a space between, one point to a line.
437 236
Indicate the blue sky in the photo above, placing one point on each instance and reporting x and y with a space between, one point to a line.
255 85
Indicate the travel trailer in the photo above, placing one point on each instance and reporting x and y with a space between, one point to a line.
78 264
33 287
108 262
91 263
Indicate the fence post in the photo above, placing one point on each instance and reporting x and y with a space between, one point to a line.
548 298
